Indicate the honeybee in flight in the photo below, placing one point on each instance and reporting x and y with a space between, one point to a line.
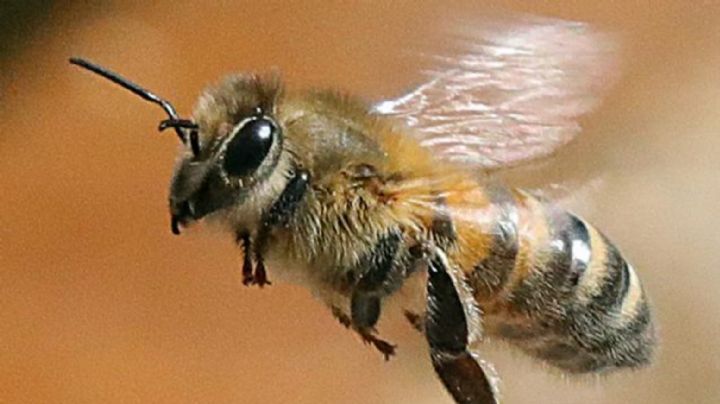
353 200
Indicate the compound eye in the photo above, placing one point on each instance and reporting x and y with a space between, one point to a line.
249 146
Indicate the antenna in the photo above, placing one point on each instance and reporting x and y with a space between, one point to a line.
143 93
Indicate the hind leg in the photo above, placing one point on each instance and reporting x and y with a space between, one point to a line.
448 334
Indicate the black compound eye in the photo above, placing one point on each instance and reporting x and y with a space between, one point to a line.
249 147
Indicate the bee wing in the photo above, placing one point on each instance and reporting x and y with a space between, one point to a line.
508 92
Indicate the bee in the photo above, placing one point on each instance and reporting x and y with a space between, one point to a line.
353 200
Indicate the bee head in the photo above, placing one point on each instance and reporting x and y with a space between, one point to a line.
232 147
240 142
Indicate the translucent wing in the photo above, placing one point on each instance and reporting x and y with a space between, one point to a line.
508 92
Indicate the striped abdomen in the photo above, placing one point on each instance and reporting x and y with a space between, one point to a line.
553 285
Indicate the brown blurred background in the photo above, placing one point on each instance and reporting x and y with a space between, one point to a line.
100 303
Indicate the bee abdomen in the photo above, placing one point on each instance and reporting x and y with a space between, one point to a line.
493 270
570 298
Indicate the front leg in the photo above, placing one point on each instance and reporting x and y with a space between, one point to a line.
247 268
250 277
278 215
448 328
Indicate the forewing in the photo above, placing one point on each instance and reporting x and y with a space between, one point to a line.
507 92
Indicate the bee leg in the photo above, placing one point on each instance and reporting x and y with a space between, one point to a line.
247 268
448 336
416 320
278 215
250 277
260 276
384 347
382 273
283 208
343 318
364 315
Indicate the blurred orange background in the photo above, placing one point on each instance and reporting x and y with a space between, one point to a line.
100 303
